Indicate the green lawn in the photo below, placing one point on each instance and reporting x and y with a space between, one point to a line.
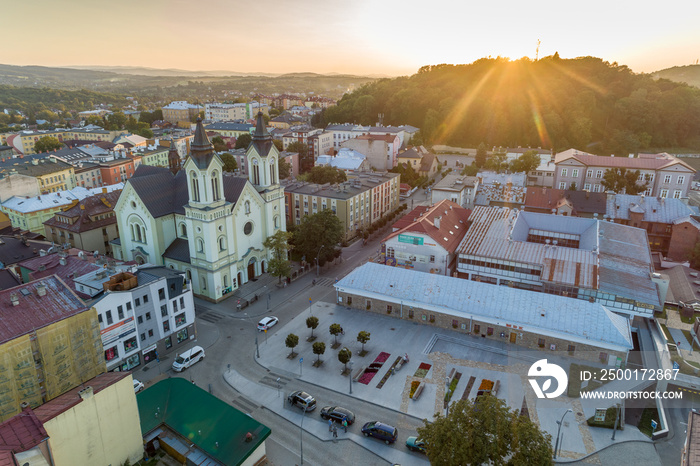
667 334
609 421
645 422
689 338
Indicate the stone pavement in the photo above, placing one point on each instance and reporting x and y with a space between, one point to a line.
675 327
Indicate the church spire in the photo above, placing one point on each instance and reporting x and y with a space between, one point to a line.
173 158
262 140
201 149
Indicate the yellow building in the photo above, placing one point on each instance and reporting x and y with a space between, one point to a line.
29 138
49 344
180 111
31 213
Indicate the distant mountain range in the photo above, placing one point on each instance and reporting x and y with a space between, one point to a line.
689 74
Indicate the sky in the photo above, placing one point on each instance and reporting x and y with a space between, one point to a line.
362 37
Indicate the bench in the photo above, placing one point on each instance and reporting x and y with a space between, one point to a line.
358 374
419 390
494 392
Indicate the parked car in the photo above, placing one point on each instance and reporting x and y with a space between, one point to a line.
302 399
337 414
188 358
138 386
415 444
267 322
381 431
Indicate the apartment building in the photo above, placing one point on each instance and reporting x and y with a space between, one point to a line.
318 141
52 175
118 170
27 139
180 111
345 131
88 175
663 174
216 112
382 150
230 130
357 203
459 189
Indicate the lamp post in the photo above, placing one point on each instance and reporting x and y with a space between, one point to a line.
301 436
317 261
350 363
556 444
617 417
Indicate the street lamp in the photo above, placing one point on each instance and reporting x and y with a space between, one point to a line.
617 417
301 436
351 363
317 261
556 445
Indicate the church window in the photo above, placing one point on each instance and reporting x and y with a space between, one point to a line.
247 207
183 230
203 281
256 172
248 228
222 243
200 245
272 171
195 187
277 221
225 281
215 186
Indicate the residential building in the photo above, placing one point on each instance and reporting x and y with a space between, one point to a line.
66 264
181 141
534 321
292 159
568 256
216 112
285 120
382 150
88 175
180 113
691 447
16 248
358 203
117 170
45 321
131 140
25 140
565 202
411 157
663 174
6 151
343 132
15 184
210 226
426 239
90 224
348 160
389 131
685 235
231 437
52 175
318 141
144 315
153 155
230 130
429 165
320 144
459 189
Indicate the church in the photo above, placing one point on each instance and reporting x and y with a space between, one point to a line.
197 220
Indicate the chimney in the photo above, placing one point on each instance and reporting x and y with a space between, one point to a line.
436 222
41 289
14 299
62 261
86 393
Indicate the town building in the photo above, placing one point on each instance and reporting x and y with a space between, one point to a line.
230 130
426 239
565 202
144 315
691 447
459 189
45 321
663 174
685 235
52 175
180 113
88 175
154 155
343 132
285 120
500 189
25 140
216 112
318 141
66 264
534 321
231 437
357 203
16 248
90 224
348 160
15 184
569 256
210 226
117 170
382 150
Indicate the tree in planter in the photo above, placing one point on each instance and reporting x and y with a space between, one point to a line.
312 323
319 348
335 330
279 265
292 341
344 356
363 337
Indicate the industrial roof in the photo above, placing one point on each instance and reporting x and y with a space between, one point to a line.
642 162
569 319
55 200
655 209
212 425
453 182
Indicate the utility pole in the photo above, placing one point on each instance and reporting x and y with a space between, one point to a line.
537 52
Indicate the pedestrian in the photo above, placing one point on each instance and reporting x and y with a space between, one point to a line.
330 425
335 431
345 424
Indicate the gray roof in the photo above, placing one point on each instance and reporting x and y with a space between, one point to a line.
684 284
569 319
201 149
655 209
344 190
178 250
222 126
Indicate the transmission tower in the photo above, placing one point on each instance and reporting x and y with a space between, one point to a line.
537 51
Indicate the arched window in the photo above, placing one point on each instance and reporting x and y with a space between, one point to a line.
195 187
247 207
139 238
272 172
222 243
143 235
215 186
188 274
256 172
225 281
200 245
277 221
183 230
133 235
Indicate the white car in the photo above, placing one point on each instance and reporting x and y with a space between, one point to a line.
138 386
267 322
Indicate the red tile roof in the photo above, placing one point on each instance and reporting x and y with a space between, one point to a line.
20 433
63 403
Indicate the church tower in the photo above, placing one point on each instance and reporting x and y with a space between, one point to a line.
204 171
173 158
263 158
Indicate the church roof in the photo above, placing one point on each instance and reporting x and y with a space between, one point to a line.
201 149
178 250
164 194
261 138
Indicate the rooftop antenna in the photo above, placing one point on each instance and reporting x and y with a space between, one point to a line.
537 51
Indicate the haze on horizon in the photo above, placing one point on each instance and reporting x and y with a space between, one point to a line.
362 37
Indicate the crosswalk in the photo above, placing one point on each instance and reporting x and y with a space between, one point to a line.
324 281
211 316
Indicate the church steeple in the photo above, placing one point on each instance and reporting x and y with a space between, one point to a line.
262 158
262 140
201 149
173 158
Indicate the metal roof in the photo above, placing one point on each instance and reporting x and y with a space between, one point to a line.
565 318
655 209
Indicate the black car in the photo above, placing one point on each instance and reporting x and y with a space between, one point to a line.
337 414
381 431
302 400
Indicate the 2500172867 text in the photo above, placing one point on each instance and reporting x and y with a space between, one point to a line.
631 374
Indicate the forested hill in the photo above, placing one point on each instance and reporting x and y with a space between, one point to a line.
585 103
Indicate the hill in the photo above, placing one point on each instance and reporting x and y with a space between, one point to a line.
585 103
689 74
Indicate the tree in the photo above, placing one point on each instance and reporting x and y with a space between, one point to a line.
621 180
572 186
318 235
335 330
95 120
285 168
344 356
219 144
306 162
326 174
47 144
319 348
470 170
485 431
497 162
312 323
694 256
363 337
408 174
526 163
278 245
291 341
243 141
230 163
278 144
480 158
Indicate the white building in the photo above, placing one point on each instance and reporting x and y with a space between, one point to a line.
459 189
144 315
348 160
342 133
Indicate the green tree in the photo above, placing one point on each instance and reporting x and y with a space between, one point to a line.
219 144
621 180
497 162
312 323
116 120
47 144
278 245
95 120
470 170
526 163
243 141
291 342
408 174
306 161
318 235
344 356
363 337
485 431
230 163
285 168
326 174
335 330
480 158
319 348
278 144
694 256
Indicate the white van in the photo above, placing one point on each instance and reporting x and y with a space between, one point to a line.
188 358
